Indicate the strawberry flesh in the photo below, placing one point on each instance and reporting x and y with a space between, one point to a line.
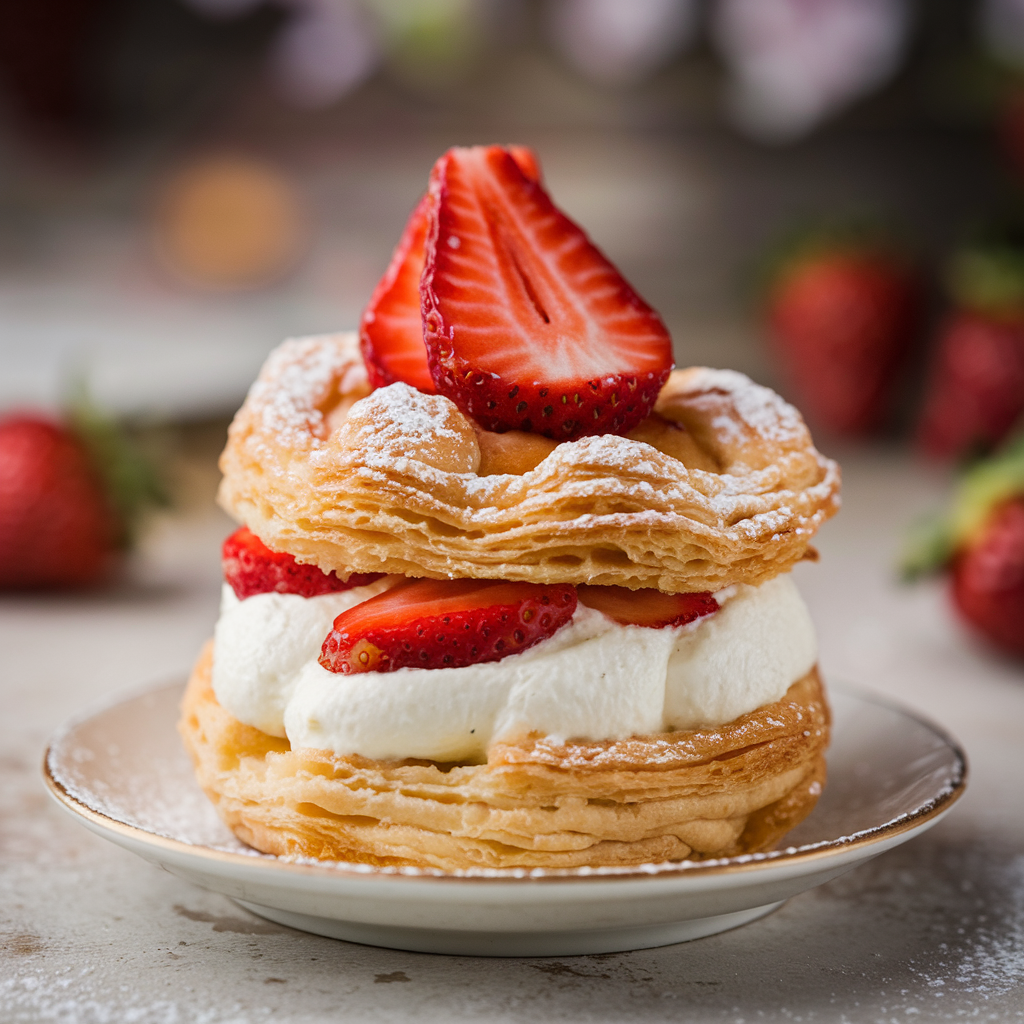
988 578
391 328
527 325
647 607
445 624
250 567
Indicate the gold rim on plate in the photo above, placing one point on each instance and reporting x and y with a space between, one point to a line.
930 809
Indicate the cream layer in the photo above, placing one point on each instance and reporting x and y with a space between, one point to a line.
594 679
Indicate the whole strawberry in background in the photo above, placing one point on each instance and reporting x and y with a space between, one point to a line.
843 309
988 577
980 543
69 496
975 390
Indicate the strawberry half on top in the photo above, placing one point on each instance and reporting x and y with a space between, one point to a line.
527 325
647 607
445 624
391 328
250 567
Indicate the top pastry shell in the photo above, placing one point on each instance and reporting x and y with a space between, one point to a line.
723 485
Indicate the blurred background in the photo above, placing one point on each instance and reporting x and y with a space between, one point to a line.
183 183
821 193
824 194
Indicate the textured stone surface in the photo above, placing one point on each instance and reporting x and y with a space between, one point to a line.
932 931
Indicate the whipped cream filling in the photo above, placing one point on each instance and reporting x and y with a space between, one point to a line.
262 644
594 679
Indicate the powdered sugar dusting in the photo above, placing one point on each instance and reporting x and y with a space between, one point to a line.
155 800
297 378
398 429
400 414
310 425
760 408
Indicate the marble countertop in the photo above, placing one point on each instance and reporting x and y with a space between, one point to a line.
931 931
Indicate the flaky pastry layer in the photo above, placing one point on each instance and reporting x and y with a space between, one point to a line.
722 485
720 791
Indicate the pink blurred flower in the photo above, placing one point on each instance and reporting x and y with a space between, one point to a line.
618 42
326 50
796 62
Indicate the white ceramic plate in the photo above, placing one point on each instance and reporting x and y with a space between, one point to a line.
123 772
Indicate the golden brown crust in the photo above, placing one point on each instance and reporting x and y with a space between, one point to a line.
535 803
723 487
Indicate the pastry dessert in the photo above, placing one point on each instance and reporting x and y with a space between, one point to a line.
511 592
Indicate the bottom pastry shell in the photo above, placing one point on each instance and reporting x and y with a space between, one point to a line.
536 803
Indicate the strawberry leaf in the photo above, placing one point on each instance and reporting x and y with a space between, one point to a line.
933 541
987 274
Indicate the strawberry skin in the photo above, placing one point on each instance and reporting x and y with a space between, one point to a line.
57 528
445 624
527 161
250 567
391 328
647 607
988 578
976 390
527 325
842 323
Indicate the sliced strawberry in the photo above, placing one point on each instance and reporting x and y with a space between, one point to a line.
527 161
391 329
445 624
527 325
647 607
250 567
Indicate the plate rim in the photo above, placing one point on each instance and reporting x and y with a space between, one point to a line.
926 813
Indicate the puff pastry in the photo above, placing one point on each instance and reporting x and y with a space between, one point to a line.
723 485
712 792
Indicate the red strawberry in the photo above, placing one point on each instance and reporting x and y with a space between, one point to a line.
57 528
445 624
527 325
980 539
977 385
527 161
988 577
647 607
250 567
391 329
843 319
